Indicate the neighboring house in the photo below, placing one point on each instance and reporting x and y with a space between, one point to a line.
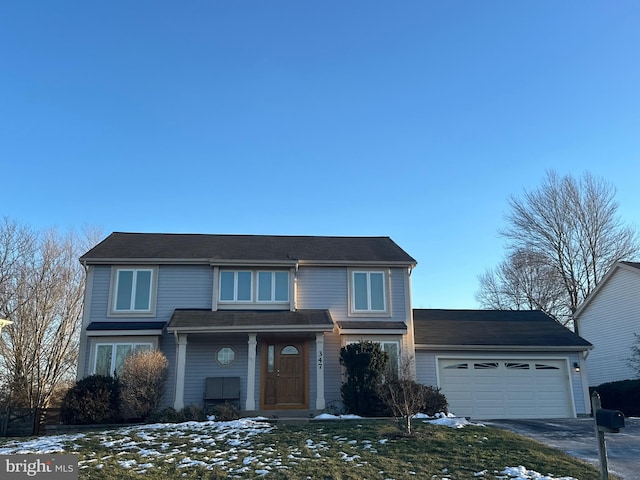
502 363
609 317
272 312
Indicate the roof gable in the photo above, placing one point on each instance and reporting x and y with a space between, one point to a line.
629 266
493 328
193 247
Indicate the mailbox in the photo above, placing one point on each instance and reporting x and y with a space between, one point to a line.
611 419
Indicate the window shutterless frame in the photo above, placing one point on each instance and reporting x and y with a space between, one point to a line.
133 291
109 357
368 291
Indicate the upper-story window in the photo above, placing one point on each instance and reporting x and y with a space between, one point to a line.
236 286
368 292
133 290
273 286
247 286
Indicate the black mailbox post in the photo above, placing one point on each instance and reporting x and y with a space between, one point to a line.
612 420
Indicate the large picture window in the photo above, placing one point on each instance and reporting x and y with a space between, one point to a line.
110 356
133 290
368 292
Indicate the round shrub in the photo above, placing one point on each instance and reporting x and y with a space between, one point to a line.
92 400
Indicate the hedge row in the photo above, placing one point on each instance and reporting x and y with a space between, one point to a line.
623 396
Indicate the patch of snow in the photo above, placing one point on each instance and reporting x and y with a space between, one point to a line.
521 473
452 422
328 416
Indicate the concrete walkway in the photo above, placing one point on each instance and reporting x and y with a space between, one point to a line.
576 436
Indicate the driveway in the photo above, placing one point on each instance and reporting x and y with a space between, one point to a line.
576 436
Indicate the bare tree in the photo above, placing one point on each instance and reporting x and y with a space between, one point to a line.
41 290
570 234
524 281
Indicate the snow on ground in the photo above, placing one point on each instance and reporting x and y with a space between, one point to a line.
225 445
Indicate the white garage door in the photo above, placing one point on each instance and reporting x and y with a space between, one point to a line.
506 388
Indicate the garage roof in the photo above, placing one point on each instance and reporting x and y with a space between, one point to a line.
492 328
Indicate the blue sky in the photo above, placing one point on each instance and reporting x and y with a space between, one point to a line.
414 120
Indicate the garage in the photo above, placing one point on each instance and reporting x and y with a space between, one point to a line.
506 388
493 364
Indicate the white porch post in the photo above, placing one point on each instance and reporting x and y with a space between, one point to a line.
181 363
251 374
320 403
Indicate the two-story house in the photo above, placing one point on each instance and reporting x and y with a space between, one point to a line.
273 311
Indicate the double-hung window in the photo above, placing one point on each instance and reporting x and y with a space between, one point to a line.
110 356
133 290
368 292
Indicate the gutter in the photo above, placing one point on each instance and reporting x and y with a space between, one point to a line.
505 348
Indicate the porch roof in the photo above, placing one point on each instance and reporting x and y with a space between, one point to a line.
207 321
96 329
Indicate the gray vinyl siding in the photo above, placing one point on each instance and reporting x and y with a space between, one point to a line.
328 287
179 286
201 363
332 371
426 368
168 348
609 322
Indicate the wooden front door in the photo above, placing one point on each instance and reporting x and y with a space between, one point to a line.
284 375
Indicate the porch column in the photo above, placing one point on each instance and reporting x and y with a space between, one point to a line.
181 363
251 374
320 404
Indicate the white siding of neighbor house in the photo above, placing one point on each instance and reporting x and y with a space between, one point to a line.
427 367
609 322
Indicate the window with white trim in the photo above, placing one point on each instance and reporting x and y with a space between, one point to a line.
248 286
368 292
236 286
109 357
133 290
393 350
273 286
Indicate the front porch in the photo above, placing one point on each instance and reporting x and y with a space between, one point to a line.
278 355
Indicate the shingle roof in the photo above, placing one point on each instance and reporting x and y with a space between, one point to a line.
126 325
505 328
632 264
145 246
185 320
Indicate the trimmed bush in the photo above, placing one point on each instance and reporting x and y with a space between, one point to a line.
365 364
142 380
623 395
190 413
225 412
92 400
434 401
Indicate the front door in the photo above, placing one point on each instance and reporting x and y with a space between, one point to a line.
284 375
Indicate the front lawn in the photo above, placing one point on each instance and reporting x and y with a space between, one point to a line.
353 449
